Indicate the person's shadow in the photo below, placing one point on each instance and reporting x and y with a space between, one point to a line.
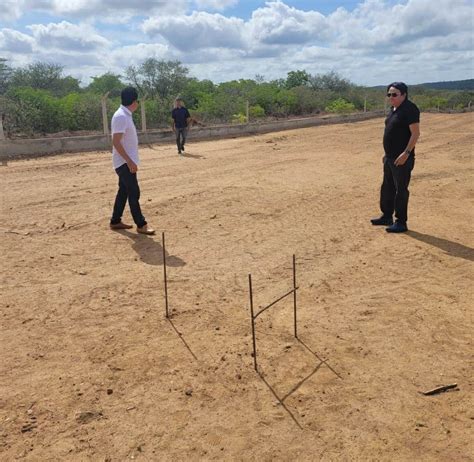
192 156
452 248
150 250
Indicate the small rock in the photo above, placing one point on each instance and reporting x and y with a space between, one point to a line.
109 391
189 392
213 217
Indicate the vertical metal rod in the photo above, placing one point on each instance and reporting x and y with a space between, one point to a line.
164 272
253 324
294 293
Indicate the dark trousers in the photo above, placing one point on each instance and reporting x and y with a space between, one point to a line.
181 137
394 192
128 189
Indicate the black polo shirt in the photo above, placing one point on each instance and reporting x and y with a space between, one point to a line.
180 116
397 128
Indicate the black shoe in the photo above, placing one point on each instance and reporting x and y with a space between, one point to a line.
179 152
397 227
182 147
382 221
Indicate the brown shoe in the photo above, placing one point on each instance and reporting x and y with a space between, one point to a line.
120 225
146 230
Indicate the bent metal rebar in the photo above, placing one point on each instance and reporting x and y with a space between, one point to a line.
254 316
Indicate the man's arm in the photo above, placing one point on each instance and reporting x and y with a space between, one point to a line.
415 134
173 126
117 142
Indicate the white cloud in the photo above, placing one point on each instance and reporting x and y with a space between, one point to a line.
278 23
11 10
218 5
198 30
67 36
13 41
103 10
376 25
417 40
123 57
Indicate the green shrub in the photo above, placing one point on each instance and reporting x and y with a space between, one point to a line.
256 112
239 118
340 106
32 111
81 111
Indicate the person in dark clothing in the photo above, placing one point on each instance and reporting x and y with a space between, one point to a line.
402 130
181 119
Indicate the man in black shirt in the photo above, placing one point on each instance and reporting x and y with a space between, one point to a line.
402 130
181 118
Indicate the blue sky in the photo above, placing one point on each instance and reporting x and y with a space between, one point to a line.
370 42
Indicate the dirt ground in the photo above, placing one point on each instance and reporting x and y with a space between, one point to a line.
90 368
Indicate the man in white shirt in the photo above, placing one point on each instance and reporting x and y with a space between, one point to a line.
125 161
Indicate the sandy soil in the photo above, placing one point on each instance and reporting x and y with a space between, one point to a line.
90 368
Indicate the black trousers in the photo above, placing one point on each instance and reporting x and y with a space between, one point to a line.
394 192
128 190
181 137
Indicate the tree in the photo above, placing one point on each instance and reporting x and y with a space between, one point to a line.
158 78
194 90
104 83
5 74
297 79
44 76
32 111
330 81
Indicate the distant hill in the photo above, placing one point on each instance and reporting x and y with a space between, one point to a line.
450 85
465 85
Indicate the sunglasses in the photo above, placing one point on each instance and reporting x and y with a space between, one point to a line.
393 95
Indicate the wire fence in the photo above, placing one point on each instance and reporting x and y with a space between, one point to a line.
29 113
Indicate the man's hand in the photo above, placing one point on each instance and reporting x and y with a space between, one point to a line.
132 166
401 159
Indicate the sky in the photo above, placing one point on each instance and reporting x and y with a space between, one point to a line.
370 42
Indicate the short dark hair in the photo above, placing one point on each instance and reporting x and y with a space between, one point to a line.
129 95
399 86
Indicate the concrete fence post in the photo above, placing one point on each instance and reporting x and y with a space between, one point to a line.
105 122
247 111
365 104
2 135
143 114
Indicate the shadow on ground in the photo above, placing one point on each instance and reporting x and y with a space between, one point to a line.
452 248
150 250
